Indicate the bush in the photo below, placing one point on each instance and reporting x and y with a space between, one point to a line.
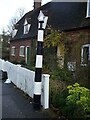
58 93
73 102
78 102
61 74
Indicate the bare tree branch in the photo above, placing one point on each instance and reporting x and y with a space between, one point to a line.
14 20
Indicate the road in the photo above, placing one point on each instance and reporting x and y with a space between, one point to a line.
15 104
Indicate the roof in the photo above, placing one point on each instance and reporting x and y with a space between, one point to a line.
62 16
69 15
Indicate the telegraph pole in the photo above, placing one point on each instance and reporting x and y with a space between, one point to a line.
39 61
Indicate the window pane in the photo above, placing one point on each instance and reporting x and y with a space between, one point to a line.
26 28
13 51
89 8
22 51
85 54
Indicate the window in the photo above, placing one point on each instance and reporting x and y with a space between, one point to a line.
26 27
85 54
22 51
13 50
88 8
14 32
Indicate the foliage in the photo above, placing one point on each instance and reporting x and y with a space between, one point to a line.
54 38
61 74
5 45
58 93
49 59
78 101
73 102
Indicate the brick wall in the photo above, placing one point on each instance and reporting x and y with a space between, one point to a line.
73 54
17 44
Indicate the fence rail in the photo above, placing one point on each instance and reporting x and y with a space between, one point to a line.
24 79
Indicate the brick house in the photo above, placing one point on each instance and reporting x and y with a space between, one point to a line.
72 18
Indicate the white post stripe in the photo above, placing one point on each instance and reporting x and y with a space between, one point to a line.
40 35
37 88
45 22
39 59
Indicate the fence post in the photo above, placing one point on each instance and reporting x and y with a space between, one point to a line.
18 67
45 91
3 65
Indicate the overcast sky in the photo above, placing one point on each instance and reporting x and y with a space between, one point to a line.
8 9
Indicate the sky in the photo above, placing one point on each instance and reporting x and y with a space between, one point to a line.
9 8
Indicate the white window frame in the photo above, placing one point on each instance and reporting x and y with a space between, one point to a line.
82 50
26 27
22 53
14 32
13 50
88 9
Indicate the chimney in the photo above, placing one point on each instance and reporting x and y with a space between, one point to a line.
37 4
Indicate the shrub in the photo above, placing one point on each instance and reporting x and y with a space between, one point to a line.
58 93
78 101
62 74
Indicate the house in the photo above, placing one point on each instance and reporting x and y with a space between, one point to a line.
72 18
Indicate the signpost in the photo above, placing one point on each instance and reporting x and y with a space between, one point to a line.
39 60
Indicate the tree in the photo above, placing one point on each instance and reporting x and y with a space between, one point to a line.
14 20
5 45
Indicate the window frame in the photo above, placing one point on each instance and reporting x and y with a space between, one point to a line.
26 27
88 9
82 54
14 33
20 52
13 49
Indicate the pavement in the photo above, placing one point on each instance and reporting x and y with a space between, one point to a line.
16 104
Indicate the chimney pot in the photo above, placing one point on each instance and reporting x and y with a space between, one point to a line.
37 4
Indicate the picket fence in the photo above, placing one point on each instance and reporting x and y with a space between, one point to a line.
24 79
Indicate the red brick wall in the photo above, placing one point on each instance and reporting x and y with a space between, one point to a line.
75 40
17 44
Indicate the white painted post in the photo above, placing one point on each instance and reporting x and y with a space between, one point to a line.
17 81
3 65
45 91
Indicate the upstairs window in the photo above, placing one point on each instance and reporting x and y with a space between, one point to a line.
26 27
14 32
88 8
85 54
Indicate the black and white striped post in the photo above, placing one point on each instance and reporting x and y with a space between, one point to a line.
39 61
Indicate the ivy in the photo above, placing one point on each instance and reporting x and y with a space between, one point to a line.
54 38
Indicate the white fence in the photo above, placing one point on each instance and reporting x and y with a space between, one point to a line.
24 79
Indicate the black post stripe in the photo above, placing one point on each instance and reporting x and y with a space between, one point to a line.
41 29
37 97
39 48
38 74
37 101
41 25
